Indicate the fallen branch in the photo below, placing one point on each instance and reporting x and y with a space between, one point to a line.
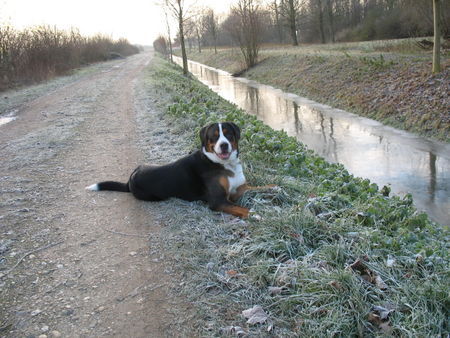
29 253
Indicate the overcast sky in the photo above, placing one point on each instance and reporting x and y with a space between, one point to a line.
140 21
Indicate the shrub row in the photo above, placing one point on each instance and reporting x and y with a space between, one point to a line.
38 53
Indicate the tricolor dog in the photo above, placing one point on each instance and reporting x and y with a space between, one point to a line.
213 174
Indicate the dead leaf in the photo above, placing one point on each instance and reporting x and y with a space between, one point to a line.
233 330
335 284
380 283
255 315
373 318
386 327
367 274
232 272
380 318
359 266
382 312
298 237
275 290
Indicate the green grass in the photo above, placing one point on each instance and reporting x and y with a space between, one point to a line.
312 229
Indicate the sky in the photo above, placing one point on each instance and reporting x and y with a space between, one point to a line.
140 21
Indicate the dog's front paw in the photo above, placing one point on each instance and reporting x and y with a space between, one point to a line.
254 216
274 187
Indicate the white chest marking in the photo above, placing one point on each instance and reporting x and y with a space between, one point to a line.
238 179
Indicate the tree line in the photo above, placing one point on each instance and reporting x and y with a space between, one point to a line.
252 22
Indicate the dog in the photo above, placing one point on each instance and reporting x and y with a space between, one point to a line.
212 174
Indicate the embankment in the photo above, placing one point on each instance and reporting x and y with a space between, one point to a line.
332 254
395 89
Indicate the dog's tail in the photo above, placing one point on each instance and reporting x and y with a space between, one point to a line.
109 185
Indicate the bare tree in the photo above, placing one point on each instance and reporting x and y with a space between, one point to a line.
194 30
169 38
289 10
188 33
198 28
275 8
329 6
437 37
247 29
179 12
211 25
160 45
320 13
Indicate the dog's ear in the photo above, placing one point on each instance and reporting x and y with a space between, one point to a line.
236 130
203 135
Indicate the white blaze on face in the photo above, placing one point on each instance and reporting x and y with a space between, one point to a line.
222 139
229 158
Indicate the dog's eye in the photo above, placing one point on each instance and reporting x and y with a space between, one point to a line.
228 134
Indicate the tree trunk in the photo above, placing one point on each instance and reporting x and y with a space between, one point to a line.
199 44
331 19
170 39
322 33
278 21
437 37
183 47
292 23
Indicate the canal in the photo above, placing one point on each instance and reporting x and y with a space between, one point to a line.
367 148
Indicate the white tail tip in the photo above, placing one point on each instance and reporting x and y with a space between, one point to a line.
93 187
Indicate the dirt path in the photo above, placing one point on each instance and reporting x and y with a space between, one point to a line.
104 273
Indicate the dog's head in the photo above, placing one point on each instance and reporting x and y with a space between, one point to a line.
220 141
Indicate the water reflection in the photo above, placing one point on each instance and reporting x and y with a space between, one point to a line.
365 147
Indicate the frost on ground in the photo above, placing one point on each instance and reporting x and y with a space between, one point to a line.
75 262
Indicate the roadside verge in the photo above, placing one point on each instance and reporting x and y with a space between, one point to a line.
332 253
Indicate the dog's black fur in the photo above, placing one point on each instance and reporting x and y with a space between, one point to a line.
191 178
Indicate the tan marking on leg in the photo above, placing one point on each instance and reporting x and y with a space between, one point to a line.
239 192
245 187
235 210
223 181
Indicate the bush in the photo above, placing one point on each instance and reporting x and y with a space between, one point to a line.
38 53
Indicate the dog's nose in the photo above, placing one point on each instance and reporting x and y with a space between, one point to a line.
224 147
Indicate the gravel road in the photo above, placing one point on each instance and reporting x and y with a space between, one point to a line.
75 263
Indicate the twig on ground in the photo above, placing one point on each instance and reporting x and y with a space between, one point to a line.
136 291
29 253
124 234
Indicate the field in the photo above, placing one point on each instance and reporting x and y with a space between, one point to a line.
333 255
389 81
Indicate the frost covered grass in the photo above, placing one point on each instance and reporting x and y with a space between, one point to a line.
332 256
